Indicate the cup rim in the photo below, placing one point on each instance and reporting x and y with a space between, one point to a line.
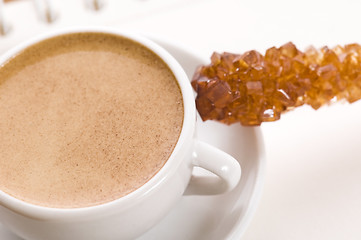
168 169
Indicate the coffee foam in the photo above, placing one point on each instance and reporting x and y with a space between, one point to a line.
85 119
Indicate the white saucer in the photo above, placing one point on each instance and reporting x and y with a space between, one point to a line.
211 217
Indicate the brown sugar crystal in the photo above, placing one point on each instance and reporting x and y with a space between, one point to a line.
251 88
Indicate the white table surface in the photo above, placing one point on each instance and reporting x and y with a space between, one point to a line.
313 179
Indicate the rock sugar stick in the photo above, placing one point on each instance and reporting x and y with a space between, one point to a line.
252 88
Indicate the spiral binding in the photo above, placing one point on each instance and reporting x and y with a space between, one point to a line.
4 27
46 11
94 4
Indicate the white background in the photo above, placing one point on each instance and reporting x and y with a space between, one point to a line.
313 180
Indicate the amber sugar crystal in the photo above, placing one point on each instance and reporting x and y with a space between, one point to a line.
251 88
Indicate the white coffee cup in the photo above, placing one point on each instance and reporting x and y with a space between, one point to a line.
135 213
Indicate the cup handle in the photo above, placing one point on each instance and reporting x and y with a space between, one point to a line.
218 162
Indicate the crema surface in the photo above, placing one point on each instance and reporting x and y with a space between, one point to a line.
85 119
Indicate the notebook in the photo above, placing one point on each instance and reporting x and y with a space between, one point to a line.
23 19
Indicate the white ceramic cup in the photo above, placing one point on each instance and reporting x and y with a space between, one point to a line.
135 213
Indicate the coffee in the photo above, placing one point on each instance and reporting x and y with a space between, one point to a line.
85 118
